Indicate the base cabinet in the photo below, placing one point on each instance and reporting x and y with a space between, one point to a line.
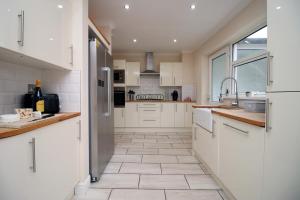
56 162
241 158
167 115
179 115
131 115
119 117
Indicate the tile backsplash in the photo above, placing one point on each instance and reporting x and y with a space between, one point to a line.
15 78
151 85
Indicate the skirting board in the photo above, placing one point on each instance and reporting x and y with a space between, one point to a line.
151 130
82 187
225 190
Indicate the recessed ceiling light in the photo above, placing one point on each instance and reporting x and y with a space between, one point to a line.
193 7
247 42
134 40
60 6
51 39
175 40
127 7
278 7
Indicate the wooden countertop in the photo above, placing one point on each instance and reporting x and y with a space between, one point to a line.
257 119
9 132
158 101
206 106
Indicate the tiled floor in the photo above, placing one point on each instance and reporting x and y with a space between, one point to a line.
154 166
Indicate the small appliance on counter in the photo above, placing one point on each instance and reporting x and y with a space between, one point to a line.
51 102
174 95
149 97
131 94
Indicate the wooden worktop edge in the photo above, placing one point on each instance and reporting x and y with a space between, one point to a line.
39 124
239 118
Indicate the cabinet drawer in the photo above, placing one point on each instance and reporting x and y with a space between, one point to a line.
149 112
149 105
149 122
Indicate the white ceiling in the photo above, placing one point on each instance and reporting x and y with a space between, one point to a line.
155 23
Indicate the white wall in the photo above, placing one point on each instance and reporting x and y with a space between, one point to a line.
254 15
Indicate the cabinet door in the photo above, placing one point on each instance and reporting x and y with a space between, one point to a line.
167 115
188 115
283 44
16 159
131 115
133 73
119 64
177 74
56 160
11 24
179 114
166 74
119 117
241 159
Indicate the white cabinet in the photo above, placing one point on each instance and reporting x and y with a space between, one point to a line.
188 115
166 74
131 115
133 73
171 74
177 74
241 158
282 143
55 157
179 115
119 64
38 28
119 117
206 144
167 115
283 44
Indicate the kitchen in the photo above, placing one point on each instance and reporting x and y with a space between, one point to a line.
149 99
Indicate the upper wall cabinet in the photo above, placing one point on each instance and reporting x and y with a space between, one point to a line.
119 64
40 29
283 44
171 74
133 73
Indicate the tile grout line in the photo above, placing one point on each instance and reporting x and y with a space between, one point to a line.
109 194
220 194
165 194
187 181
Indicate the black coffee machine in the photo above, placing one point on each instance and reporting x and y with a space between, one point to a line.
174 95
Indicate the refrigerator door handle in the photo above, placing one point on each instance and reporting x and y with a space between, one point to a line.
107 69
267 124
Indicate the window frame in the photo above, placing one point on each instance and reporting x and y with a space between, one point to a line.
248 59
222 51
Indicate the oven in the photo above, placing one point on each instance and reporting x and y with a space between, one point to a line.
119 76
119 97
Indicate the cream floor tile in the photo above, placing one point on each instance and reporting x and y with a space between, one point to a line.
180 136
185 133
95 194
192 195
122 140
143 133
144 140
134 136
166 133
170 141
118 136
202 182
159 159
188 141
206 171
129 145
140 168
182 146
181 169
124 194
126 158
117 181
163 182
187 159
158 145
112 168
120 151
142 151
181 152
156 137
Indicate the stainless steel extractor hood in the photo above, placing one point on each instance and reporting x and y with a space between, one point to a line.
149 65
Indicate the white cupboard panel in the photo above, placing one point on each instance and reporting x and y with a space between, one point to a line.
177 74
166 74
133 73
119 64
131 115
179 115
188 115
119 117
167 115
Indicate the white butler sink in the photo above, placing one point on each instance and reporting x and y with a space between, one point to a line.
203 118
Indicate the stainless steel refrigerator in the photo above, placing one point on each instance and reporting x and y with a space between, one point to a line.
100 108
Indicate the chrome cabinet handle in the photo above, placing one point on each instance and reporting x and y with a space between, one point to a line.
72 55
240 130
150 110
174 81
149 120
33 167
269 60
268 127
21 17
79 127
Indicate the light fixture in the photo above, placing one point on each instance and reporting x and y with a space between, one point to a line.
134 40
278 7
175 40
127 7
193 7
51 39
247 41
60 6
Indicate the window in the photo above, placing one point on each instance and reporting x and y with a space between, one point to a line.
249 62
219 65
